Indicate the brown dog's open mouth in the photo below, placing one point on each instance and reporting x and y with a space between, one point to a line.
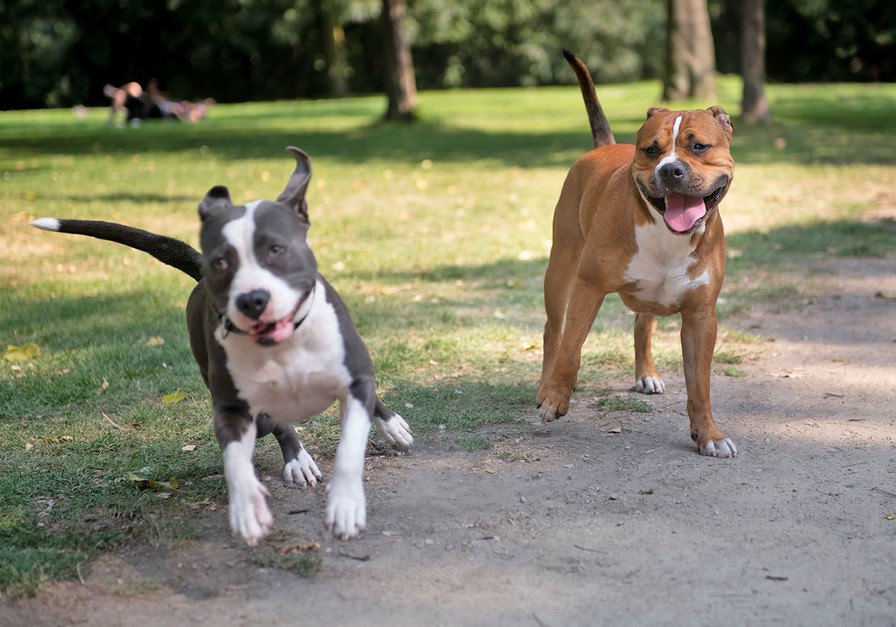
683 214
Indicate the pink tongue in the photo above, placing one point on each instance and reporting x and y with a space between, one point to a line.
682 212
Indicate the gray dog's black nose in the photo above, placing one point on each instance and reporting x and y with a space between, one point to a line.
253 303
671 172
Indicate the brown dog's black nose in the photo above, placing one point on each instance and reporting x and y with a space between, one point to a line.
673 172
252 303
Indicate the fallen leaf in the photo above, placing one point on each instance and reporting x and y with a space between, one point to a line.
53 440
103 387
28 446
175 397
649 491
890 516
155 341
24 352
615 430
293 548
151 484
187 448
490 471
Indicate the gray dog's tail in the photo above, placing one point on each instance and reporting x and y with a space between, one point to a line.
600 127
173 252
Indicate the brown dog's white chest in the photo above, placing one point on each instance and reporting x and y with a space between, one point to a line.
663 270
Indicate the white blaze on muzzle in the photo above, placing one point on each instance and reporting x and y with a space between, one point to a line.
682 211
252 275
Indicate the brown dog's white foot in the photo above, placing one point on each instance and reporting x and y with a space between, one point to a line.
718 448
650 385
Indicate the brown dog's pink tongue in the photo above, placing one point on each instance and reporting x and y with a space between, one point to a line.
682 212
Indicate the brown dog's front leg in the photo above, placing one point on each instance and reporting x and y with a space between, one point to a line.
556 389
698 340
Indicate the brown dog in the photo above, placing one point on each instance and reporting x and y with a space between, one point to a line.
641 221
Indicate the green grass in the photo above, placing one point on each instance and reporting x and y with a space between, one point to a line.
436 233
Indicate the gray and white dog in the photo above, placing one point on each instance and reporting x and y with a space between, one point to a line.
275 345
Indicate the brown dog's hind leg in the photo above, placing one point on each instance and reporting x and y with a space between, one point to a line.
556 295
647 378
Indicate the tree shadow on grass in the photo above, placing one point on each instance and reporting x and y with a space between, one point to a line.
820 138
839 238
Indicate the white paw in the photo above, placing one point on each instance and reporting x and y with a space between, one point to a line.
395 432
250 517
302 471
346 508
650 385
722 448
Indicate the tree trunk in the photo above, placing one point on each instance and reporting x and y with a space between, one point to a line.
690 52
334 49
754 106
401 85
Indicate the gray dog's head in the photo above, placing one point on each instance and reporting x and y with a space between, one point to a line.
258 268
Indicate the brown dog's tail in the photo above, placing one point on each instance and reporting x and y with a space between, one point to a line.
600 127
173 252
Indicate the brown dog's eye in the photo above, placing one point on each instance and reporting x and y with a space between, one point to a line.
652 151
698 147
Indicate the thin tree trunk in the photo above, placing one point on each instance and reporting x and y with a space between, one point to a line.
401 85
754 105
690 52
334 48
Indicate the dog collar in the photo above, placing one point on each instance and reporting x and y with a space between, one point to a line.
228 327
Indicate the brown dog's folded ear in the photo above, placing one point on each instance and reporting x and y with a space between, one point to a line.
293 195
217 198
653 110
719 114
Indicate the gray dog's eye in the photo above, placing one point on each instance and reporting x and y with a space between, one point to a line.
220 264
275 251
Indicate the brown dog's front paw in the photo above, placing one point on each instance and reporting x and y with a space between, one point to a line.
553 402
723 447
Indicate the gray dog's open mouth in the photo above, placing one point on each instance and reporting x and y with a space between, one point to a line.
268 333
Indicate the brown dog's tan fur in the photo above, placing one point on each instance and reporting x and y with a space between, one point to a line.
610 236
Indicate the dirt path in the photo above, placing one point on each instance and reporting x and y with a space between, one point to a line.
572 524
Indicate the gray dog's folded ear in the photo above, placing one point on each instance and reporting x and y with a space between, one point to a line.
215 200
293 196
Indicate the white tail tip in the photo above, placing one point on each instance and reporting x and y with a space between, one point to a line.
47 224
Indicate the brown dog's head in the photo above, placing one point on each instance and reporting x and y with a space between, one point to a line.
683 165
